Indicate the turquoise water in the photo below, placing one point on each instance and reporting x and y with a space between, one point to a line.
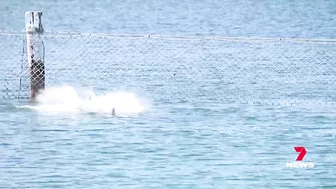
190 114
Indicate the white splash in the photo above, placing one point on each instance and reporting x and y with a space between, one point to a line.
67 99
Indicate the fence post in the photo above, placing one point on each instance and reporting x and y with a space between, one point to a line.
34 30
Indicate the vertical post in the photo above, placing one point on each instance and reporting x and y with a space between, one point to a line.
34 30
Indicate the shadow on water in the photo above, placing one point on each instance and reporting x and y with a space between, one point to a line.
13 105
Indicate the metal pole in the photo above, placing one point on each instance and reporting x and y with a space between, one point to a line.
34 30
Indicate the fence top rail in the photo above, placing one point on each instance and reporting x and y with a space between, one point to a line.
167 37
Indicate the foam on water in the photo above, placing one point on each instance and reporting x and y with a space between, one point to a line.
67 99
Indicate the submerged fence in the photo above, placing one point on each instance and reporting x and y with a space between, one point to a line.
178 69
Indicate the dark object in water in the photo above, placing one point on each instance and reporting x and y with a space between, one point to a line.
113 111
37 78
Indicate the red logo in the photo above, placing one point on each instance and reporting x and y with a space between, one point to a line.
302 152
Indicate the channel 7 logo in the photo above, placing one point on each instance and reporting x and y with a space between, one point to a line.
299 163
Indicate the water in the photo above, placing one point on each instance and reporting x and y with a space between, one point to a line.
70 139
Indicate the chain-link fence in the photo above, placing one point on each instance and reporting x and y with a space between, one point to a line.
177 69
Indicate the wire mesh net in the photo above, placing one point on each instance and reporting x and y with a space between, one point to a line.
179 69
14 80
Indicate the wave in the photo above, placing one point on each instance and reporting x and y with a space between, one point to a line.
67 99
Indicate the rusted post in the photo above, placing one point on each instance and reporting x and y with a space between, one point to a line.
34 30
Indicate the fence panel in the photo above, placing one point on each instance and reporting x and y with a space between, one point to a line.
196 69
14 81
